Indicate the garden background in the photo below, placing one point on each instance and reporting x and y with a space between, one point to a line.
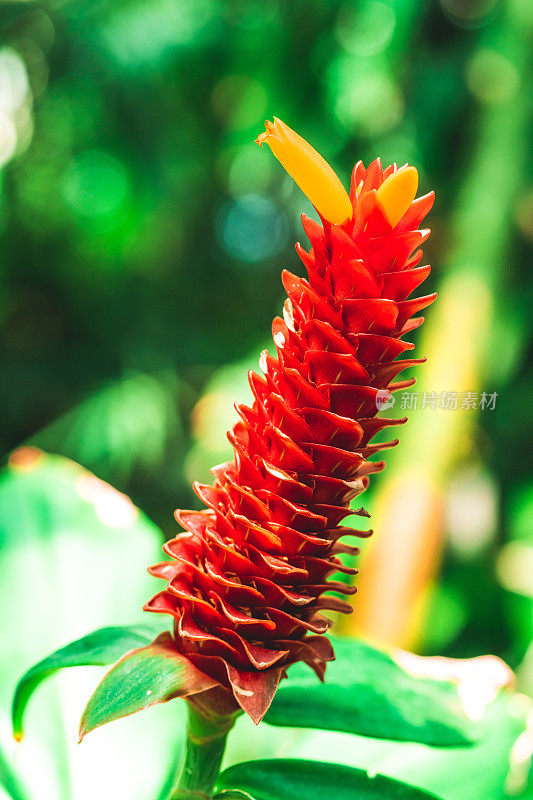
142 238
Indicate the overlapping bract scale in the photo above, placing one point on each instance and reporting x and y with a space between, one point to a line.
249 578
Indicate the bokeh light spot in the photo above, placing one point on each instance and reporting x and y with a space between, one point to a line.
113 508
95 185
8 138
515 568
16 125
471 512
138 34
364 30
251 229
13 80
469 13
491 77
369 103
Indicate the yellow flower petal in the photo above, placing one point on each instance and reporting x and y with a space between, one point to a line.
309 170
396 194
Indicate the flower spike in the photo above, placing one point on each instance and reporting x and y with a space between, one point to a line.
248 578
309 170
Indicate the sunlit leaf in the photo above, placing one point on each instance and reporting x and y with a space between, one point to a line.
294 779
73 552
367 693
99 648
141 678
479 772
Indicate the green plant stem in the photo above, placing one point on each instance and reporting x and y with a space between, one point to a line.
204 747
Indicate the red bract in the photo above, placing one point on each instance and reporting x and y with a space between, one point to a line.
248 579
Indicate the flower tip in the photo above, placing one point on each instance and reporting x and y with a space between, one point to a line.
265 134
309 170
397 192
18 736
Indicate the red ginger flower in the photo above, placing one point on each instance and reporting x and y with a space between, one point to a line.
247 579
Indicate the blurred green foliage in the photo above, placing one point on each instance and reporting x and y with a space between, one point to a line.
68 541
143 233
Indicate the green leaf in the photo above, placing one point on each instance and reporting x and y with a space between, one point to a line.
294 779
367 693
143 677
73 553
9 781
99 648
476 773
479 772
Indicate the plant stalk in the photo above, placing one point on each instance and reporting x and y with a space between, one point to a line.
204 748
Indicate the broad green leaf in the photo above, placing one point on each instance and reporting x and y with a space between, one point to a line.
295 779
143 677
479 772
367 693
99 648
73 553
